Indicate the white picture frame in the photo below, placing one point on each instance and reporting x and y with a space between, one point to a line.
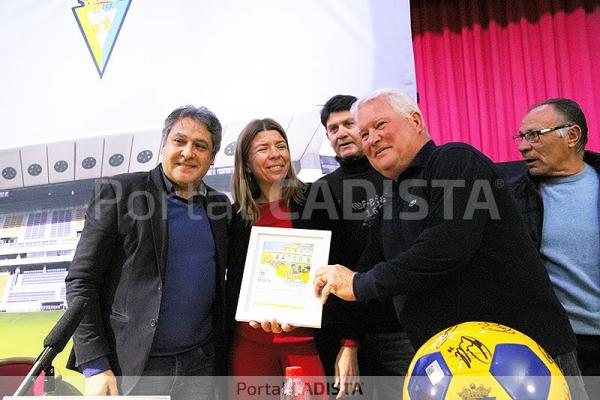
279 273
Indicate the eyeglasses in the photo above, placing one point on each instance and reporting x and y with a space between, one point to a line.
534 136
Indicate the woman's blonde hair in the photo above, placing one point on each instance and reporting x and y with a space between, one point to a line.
246 191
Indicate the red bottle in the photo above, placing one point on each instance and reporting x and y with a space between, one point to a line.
294 387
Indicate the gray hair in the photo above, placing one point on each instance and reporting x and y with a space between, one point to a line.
199 114
401 102
397 99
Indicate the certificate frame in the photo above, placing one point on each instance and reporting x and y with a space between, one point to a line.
279 273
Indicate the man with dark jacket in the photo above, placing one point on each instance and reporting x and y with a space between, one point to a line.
150 264
450 246
556 188
368 334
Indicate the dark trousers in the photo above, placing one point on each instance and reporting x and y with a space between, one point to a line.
383 359
588 358
184 376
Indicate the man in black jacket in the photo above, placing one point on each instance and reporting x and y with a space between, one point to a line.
450 246
556 188
150 264
370 333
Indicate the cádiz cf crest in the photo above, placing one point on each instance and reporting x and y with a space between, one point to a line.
100 22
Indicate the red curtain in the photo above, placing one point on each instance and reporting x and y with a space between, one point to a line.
481 64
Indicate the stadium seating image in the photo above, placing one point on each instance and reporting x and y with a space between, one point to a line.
41 215
35 250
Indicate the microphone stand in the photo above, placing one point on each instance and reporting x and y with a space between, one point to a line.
42 363
49 381
53 344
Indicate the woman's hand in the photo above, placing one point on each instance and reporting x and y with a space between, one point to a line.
347 374
272 326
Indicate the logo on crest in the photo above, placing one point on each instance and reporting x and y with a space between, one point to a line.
474 392
100 22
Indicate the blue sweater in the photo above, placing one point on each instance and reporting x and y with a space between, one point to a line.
185 318
570 245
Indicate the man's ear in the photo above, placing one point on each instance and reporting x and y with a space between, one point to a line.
573 136
417 119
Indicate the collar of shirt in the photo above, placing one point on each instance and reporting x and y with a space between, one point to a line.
419 162
354 165
170 188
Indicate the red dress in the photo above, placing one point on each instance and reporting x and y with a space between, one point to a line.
255 352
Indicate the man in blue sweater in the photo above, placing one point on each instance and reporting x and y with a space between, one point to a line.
557 190
150 264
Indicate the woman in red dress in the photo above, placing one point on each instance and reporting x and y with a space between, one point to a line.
267 192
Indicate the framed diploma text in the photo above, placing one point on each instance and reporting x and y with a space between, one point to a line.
278 274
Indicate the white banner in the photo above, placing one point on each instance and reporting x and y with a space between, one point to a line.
240 58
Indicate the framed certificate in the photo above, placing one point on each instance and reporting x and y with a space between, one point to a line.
278 274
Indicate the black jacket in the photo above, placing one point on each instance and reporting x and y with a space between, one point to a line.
119 267
524 188
451 247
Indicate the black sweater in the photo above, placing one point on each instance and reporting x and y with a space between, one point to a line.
448 259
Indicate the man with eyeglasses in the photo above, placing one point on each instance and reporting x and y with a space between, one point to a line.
558 196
